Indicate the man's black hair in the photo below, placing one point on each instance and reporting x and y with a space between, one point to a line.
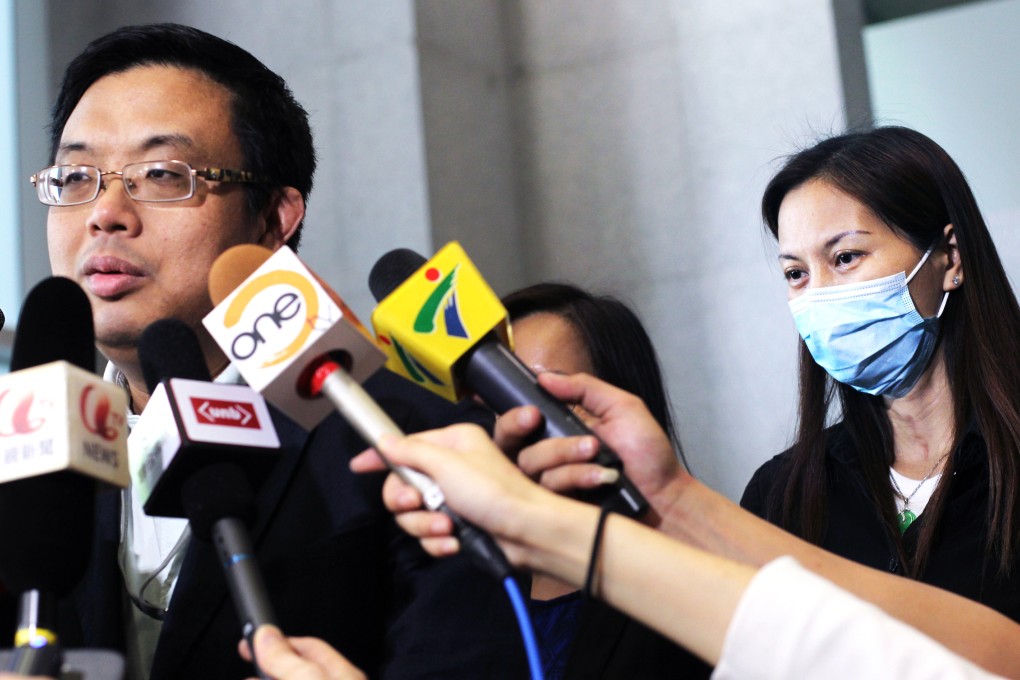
271 126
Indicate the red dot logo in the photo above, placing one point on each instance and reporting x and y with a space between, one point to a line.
432 274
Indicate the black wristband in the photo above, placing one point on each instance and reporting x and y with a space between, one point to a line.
589 579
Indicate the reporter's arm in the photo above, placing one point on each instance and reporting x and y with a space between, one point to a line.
688 510
791 623
543 532
652 578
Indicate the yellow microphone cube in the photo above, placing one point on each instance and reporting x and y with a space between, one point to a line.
431 320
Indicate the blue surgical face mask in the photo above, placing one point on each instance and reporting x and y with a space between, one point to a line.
869 335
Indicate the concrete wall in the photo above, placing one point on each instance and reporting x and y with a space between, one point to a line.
619 144
952 75
642 135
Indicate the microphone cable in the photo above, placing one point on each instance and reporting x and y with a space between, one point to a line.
527 630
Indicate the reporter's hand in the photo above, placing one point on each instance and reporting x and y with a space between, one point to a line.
298 658
619 418
476 478
433 529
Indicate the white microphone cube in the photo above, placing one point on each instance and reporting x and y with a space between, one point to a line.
58 416
188 424
278 322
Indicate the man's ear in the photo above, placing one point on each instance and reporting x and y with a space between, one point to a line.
953 278
282 217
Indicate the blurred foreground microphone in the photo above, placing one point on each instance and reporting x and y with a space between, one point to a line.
294 341
61 429
198 451
444 329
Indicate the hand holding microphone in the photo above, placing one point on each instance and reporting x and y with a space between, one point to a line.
446 330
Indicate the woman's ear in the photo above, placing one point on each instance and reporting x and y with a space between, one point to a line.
282 217
953 278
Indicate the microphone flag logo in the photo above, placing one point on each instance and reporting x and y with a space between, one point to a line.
435 317
225 413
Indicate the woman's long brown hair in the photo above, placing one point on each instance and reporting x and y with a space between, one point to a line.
914 187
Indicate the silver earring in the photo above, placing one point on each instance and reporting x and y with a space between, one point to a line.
956 280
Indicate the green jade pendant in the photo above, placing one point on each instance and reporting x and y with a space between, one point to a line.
905 519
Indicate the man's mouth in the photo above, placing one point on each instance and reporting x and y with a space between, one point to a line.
109 277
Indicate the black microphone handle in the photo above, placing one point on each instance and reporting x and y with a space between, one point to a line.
503 382
233 547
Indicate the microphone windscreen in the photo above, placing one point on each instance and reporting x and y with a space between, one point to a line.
391 270
55 325
215 492
232 267
3 319
169 348
46 532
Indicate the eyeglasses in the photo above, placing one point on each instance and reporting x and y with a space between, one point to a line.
151 181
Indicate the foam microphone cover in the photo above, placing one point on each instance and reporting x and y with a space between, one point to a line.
55 324
391 270
169 348
217 492
46 532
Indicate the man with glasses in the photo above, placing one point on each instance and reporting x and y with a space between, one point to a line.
169 146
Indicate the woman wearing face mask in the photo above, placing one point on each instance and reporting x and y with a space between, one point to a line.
911 346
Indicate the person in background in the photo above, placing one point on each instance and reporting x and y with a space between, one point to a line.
562 328
911 334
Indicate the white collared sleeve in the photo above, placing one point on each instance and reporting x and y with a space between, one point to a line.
792 623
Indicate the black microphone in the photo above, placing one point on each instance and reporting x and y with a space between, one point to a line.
407 286
222 443
191 422
3 319
47 526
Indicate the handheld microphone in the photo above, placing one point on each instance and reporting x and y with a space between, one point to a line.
61 429
444 328
191 422
294 341
200 449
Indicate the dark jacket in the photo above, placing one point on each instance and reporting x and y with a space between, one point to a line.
336 567
611 645
959 560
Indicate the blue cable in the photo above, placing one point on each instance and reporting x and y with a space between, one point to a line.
527 632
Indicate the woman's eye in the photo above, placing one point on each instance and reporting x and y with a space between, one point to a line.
843 259
794 275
